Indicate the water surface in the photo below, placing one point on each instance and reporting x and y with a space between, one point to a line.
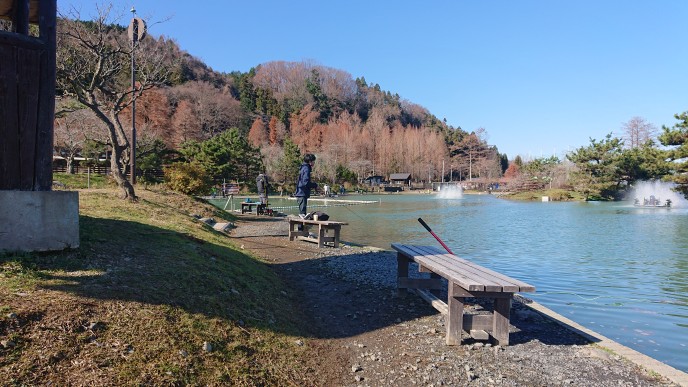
619 270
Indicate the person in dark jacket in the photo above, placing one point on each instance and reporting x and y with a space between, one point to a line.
304 183
262 185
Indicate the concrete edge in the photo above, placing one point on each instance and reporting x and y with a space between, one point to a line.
642 360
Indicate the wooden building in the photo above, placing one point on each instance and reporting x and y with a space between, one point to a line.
32 217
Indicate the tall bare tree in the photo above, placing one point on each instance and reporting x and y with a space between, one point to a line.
93 66
637 131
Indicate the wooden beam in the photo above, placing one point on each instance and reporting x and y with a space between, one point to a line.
419 283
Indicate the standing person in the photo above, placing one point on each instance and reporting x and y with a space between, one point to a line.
262 184
304 183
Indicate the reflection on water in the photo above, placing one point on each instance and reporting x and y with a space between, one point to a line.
618 270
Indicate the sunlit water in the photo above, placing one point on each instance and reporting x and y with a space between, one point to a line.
617 269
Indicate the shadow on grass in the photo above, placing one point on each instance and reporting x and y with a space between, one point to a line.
129 261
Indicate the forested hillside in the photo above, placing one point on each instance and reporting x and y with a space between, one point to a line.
355 128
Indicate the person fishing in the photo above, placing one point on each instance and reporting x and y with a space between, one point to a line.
262 185
304 184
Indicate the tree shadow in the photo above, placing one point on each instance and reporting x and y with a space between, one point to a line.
330 297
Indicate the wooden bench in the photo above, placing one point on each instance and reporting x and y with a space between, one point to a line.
248 206
328 231
464 279
261 209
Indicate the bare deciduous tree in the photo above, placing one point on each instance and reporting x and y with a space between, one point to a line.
637 131
93 64
72 130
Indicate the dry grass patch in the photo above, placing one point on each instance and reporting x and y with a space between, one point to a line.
152 296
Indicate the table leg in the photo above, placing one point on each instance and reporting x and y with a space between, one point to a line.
454 317
500 321
337 231
321 236
402 271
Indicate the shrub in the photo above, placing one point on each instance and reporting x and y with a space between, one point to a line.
187 178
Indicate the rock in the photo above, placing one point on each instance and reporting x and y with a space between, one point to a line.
207 346
299 343
8 344
96 326
355 368
12 316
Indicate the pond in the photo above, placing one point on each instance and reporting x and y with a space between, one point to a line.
614 268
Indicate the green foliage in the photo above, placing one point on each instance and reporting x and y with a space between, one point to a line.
149 157
227 156
290 162
677 137
247 94
540 168
187 178
518 161
345 175
321 102
598 175
503 162
642 163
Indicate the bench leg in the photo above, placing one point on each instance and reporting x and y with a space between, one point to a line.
337 231
435 292
454 318
321 236
500 321
402 272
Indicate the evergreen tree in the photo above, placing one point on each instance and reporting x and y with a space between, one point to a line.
290 162
321 101
597 175
677 137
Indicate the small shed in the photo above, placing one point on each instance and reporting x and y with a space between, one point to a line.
373 180
400 179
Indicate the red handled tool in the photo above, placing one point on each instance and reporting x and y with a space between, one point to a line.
433 234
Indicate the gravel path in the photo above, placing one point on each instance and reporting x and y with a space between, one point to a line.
364 334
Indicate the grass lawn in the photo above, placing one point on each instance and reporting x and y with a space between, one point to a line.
151 297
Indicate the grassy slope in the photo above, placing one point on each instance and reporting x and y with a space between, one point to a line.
138 300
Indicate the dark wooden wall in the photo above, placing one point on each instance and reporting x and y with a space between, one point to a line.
27 97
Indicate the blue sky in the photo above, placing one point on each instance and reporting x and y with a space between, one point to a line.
542 77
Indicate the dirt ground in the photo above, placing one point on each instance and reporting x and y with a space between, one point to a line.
367 335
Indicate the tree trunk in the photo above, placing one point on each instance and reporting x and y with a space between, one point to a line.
120 177
70 165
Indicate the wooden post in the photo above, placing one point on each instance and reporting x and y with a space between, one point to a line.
47 25
500 322
455 316
402 271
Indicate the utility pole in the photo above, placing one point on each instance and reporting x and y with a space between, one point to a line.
136 31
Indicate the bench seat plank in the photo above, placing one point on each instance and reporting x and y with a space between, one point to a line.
490 279
465 279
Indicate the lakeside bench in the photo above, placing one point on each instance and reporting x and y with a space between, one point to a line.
261 209
328 231
464 279
248 206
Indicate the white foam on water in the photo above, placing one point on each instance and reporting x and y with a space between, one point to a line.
661 190
450 192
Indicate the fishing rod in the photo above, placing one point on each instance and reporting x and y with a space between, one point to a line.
435 235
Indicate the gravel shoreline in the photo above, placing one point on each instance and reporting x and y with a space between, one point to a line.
384 339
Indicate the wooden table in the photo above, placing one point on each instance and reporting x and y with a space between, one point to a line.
328 231
464 279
